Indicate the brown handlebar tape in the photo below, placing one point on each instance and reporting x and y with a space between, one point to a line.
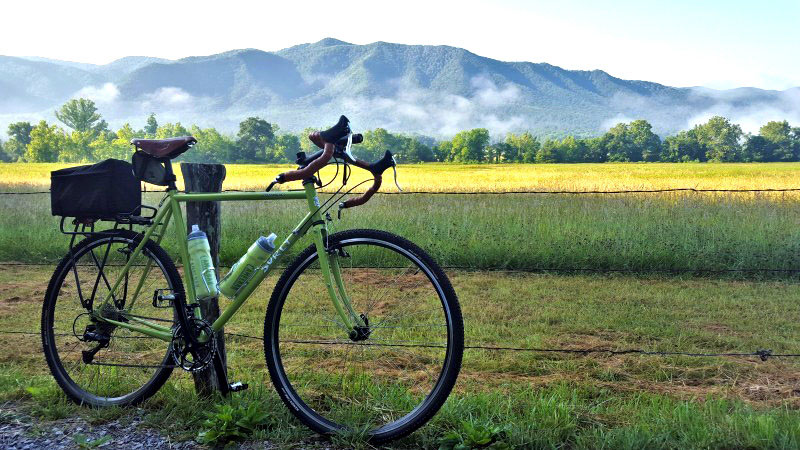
317 164
316 138
311 169
363 198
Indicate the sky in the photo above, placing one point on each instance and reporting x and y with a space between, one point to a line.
712 43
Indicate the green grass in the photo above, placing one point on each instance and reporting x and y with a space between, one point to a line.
674 231
640 232
546 400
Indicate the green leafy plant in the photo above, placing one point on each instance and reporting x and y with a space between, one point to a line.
83 441
231 423
473 436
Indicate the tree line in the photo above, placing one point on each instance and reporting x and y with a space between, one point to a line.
88 138
717 140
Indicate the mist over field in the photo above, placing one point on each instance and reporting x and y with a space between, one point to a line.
429 90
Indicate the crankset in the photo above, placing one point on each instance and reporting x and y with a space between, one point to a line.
189 354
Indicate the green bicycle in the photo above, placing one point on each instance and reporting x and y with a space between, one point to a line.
363 330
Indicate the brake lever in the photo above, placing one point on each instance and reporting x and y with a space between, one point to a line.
394 169
347 147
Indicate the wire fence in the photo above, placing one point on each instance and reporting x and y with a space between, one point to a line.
761 354
531 270
562 192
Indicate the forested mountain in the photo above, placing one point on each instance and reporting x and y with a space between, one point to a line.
430 90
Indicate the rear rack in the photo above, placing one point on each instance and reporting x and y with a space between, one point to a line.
86 226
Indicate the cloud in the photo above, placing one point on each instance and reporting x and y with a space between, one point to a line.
168 96
740 108
442 114
748 107
107 93
489 94
610 123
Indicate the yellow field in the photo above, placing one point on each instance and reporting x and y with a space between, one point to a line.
499 177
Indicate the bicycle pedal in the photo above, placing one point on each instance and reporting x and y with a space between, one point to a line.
238 386
162 299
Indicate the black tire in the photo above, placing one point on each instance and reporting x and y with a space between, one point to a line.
302 360
56 315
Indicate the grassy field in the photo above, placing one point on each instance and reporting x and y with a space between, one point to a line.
673 231
546 400
497 177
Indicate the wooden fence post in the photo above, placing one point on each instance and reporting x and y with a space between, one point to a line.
206 178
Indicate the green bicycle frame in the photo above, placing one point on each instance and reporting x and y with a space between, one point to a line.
170 212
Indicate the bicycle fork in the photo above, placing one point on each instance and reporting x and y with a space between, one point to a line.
331 270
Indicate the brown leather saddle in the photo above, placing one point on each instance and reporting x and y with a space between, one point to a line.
164 148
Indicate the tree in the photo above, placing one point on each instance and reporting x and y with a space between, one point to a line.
254 138
151 127
46 142
20 134
81 115
572 150
784 143
619 146
305 143
375 144
758 149
4 157
76 147
288 145
721 139
644 141
114 145
169 130
211 147
470 146
547 153
683 147
595 152
521 147
443 150
415 151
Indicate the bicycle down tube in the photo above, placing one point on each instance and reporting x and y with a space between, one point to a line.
171 211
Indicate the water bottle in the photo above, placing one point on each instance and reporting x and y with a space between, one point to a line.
203 276
248 264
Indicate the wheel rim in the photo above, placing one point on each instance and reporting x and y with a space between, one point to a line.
98 383
385 382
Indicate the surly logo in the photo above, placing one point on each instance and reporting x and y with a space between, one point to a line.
275 255
316 201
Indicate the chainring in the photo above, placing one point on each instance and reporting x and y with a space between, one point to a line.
193 357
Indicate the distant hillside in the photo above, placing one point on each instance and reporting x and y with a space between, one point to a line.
433 90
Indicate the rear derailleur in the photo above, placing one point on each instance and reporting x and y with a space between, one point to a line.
99 331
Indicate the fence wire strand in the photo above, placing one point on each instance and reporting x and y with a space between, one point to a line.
762 354
627 191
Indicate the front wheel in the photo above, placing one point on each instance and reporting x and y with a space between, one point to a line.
390 378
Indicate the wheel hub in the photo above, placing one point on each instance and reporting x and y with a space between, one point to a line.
359 333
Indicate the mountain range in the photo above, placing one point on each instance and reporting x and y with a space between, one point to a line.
423 89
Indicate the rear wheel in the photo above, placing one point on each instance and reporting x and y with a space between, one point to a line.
395 376
127 367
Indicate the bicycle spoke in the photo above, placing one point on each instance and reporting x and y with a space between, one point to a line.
371 380
130 360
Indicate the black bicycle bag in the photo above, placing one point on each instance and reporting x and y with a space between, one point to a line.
100 191
150 169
